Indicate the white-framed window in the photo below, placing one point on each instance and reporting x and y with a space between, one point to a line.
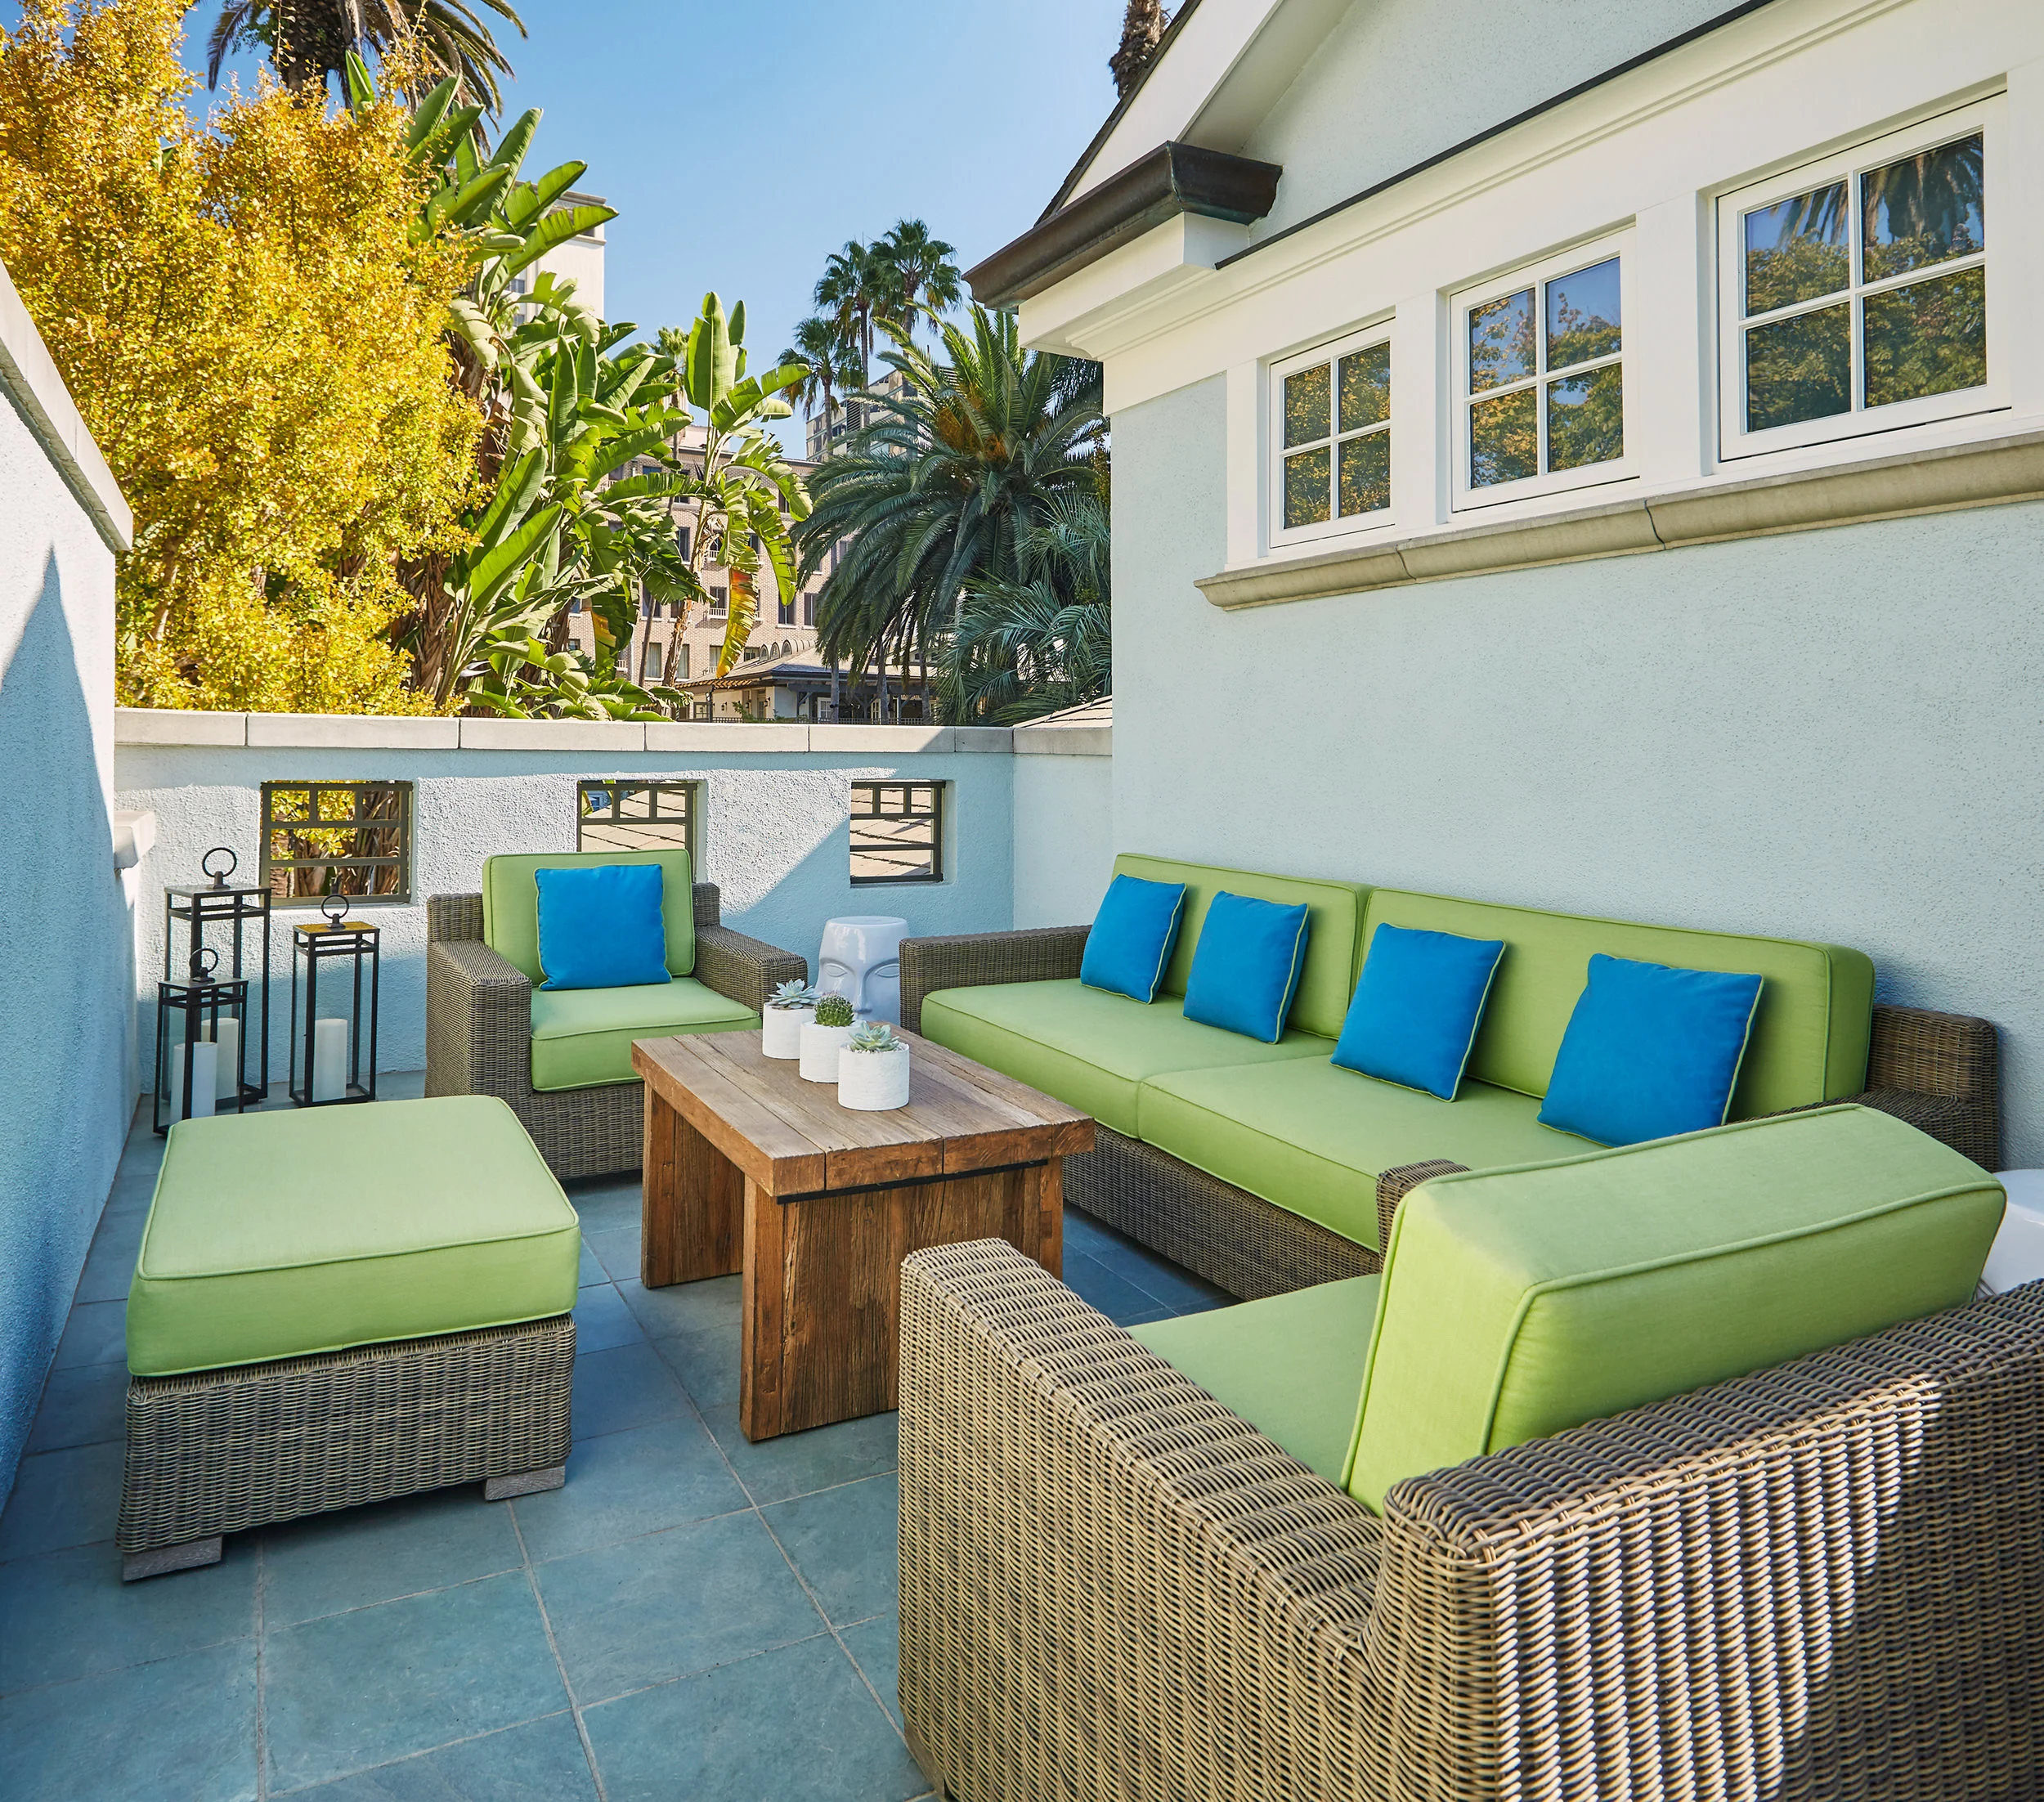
1856 292
1331 434
1540 376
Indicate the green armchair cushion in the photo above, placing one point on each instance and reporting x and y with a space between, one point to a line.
1088 1047
1334 916
511 904
1312 1137
276 1234
1291 1364
1519 1302
583 1036
1808 1042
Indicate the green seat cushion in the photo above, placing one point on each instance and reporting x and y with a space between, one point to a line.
1089 1048
511 903
1311 1137
1808 1042
1292 1366
272 1235
582 1037
1519 1302
1334 916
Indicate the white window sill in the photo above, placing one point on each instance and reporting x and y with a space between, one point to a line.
1979 472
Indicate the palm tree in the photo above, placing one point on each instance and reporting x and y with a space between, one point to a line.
1042 640
1142 31
859 290
923 271
308 40
938 487
821 348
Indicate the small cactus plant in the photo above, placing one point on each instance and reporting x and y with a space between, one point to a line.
875 1035
835 1010
793 994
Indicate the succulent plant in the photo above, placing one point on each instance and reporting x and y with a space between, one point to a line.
793 994
875 1035
835 1010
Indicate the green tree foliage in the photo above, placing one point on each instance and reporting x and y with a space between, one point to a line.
307 40
938 488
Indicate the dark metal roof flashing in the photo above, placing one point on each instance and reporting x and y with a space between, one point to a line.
1174 178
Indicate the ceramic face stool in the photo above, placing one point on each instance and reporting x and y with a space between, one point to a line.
861 960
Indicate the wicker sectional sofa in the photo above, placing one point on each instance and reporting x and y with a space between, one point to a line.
564 1065
1258 1166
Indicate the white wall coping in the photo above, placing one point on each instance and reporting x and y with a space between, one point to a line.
400 732
30 377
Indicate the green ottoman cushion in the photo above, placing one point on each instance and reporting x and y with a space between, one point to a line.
276 1234
1291 1364
1520 1302
581 1036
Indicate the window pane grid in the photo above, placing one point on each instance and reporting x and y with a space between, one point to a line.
897 832
1336 427
351 839
634 816
1546 383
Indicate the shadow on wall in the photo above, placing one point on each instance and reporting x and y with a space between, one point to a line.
66 949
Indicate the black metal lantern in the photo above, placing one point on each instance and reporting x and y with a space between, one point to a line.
237 916
334 1057
201 1048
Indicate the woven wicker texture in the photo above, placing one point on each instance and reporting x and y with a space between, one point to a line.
479 1032
1394 1186
1939 1072
1813 1582
1241 1241
972 960
218 1450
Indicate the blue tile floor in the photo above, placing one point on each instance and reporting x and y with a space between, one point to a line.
693 1618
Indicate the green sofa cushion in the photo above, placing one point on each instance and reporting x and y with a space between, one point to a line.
1519 1302
272 1235
582 1037
1292 1365
1809 1037
511 904
1312 1136
1335 910
1089 1048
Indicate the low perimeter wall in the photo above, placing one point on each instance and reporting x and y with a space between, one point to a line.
1029 836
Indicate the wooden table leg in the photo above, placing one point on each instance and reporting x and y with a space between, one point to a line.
691 1205
763 1331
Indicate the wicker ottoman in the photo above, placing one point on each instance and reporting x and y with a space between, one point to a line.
337 1305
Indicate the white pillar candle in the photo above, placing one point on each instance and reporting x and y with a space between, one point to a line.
228 1036
330 1059
205 1077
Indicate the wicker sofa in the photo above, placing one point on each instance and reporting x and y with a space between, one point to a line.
1820 1039
479 1025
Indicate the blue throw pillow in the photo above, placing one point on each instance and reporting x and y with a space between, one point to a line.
1414 1015
1246 967
1650 1051
1132 935
601 926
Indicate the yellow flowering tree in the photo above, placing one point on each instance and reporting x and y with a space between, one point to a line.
254 340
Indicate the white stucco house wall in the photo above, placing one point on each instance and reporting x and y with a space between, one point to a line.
1629 604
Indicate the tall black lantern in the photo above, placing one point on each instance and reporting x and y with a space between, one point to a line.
236 916
334 1056
201 1049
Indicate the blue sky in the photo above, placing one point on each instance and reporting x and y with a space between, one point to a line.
742 143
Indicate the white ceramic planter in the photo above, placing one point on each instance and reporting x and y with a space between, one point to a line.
819 1049
781 1030
873 1081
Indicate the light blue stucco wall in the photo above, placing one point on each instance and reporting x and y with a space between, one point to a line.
775 837
65 939
1398 80
1833 735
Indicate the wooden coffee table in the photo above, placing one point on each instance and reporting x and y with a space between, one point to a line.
749 1168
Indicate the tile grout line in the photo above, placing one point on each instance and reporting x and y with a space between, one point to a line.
554 1645
262 1673
413 1758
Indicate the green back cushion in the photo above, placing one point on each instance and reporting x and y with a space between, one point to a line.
1333 909
1519 1302
511 903
1808 1042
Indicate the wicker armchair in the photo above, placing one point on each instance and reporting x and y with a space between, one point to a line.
479 1031
1937 1071
1816 1581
